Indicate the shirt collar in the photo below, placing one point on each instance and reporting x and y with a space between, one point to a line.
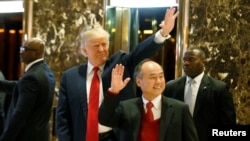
197 79
156 101
90 68
32 63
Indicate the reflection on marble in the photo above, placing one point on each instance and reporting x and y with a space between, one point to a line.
59 23
221 28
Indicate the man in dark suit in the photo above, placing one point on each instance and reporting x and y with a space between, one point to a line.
32 96
212 104
170 118
72 109
2 102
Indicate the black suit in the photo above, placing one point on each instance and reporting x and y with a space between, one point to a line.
176 123
214 105
2 102
72 104
30 107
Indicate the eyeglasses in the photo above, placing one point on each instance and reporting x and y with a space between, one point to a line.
24 49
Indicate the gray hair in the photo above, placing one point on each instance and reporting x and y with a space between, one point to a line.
93 33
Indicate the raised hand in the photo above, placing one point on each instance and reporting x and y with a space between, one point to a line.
117 82
169 21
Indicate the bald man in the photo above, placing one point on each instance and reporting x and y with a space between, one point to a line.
32 97
170 119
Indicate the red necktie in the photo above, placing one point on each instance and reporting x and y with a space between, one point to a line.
149 113
92 119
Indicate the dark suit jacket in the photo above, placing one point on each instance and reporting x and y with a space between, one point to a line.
72 104
2 101
176 123
31 103
214 105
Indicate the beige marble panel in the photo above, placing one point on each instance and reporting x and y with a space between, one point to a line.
221 28
59 23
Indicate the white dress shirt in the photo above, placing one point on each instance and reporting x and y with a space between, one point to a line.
156 109
195 87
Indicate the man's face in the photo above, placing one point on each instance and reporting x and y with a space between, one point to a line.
152 80
193 64
28 53
97 51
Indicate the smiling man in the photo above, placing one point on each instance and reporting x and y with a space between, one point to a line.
151 117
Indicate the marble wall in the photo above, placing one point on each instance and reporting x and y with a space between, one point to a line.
221 28
59 23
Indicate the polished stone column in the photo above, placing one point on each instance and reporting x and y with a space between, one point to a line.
182 35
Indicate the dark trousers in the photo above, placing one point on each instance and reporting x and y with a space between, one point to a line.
108 136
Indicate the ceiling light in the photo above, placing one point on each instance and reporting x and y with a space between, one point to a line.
143 3
11 6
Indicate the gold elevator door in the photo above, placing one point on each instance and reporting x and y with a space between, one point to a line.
128 26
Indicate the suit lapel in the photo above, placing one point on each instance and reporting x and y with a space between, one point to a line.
167 112
137 122
81 86
201 95
180 90
106 76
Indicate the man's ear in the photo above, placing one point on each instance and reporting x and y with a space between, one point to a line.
84 52
138 82
204 61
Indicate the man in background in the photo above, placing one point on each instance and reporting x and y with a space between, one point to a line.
32 97
209 100
2 100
